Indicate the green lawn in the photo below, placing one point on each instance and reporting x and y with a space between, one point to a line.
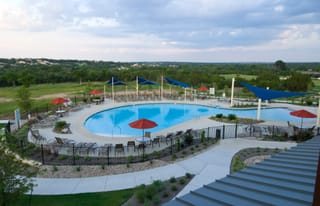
244 76
87 199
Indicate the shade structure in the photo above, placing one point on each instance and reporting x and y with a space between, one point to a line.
268 94
303 114
175 82
142 81
203 89
114 82
59 100
145 81
95 91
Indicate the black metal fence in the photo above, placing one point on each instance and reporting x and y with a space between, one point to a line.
64 152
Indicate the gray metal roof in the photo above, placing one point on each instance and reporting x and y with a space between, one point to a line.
287 178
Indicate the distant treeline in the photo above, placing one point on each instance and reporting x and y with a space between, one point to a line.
15 72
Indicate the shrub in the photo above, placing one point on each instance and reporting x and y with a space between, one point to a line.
237 164
156 200
60 124
182 181
141 196
54 169
87 158
188 175
174 188
203 136
165 194
258 149
129 159
232 117
172 179
78 169
159 185
188 139
151 190
62 157
219 116
156 154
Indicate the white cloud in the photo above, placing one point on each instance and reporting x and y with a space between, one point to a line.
99 22
279 8
162 30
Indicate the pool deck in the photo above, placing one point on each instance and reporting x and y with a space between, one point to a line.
81 134
207 166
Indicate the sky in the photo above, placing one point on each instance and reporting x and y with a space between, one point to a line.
161 30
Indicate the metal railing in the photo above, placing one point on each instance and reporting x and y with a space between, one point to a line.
164 146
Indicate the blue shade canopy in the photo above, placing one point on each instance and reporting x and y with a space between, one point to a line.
175 82
267 94
115 82
144 81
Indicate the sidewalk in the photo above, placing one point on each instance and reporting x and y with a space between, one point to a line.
207 167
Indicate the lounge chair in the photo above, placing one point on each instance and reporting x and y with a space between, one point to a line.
37 138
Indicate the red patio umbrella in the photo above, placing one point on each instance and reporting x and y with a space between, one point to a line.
303 114
95 91
143 124
59 100
203 89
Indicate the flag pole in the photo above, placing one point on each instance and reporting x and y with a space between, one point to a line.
112 90
161 87
259 109
137 87
232 90
318 114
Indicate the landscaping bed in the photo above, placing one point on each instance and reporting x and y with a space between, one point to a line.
158 192
249 156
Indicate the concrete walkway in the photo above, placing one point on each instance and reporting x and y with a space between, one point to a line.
207 167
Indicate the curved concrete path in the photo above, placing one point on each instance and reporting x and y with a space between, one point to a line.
207 167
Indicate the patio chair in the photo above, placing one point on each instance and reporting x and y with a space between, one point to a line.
155 140
64 141
118 148
169 137
104 150
188 132
131 144
141 146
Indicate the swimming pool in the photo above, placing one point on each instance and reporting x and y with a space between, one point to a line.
115 121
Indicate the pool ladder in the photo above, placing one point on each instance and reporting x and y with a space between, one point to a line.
114 128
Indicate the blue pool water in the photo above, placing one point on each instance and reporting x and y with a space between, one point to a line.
115 122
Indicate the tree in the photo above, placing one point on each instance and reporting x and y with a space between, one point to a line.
15 175
25 77
268 79
298 82
24 98
280 66
11 77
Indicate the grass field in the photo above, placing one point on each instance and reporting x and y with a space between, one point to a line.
41 94
114 198
244 76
